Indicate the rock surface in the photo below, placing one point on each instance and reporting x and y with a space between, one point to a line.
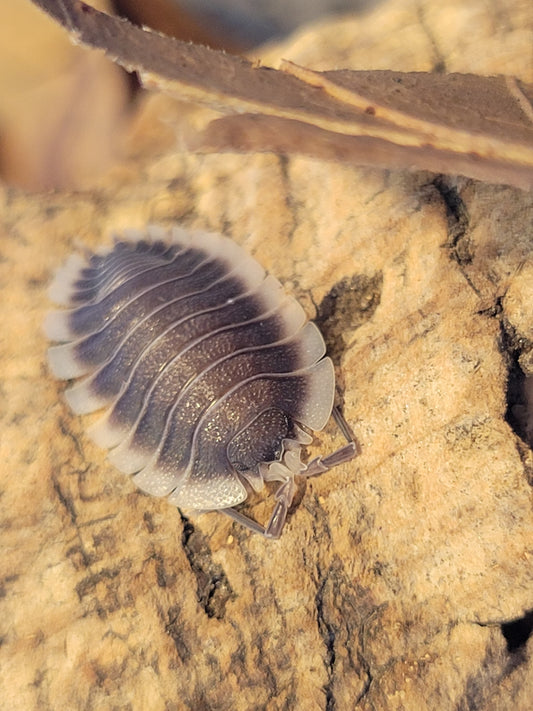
402 580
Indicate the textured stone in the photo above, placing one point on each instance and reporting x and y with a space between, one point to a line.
403 580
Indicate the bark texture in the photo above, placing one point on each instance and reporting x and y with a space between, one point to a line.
403 580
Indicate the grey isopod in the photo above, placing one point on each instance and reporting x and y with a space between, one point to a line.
209 373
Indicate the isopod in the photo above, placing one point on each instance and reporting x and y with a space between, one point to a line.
211 376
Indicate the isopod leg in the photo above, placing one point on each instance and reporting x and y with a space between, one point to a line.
244 520
284 496
343 425
339 456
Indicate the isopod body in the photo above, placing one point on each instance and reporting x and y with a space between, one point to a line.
208 373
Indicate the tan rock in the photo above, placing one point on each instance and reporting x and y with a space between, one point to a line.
399 576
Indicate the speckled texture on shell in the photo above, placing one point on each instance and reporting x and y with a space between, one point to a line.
204 366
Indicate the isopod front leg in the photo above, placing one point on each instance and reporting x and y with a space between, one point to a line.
284 496
339 456
319 465
245 521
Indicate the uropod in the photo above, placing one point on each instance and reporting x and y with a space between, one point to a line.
209 375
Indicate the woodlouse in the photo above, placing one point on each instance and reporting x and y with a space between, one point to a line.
209 372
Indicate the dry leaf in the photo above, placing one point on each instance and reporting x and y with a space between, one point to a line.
476 126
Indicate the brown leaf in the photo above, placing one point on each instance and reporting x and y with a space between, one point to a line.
477 126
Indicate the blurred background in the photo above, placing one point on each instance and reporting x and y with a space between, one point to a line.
64 111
